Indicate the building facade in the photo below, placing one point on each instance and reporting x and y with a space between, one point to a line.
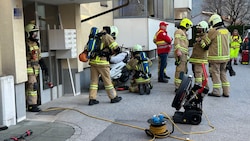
63 36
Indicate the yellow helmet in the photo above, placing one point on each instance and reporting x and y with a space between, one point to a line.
214 19
137 48
31 27
186 23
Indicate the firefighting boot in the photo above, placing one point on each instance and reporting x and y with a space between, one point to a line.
235 62
116 99
232 72
166 76
93 102
33 108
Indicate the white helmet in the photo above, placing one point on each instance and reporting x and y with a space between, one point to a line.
214 19
111 30
114 31
137 48
203 25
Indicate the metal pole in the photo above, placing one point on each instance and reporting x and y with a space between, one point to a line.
105 12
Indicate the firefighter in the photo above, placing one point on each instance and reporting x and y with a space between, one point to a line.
141 75
199 54
33 55
99 62
181 50
235 44
217 41
163 43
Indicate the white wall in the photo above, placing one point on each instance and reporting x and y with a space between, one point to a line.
88 10
183 4
139 31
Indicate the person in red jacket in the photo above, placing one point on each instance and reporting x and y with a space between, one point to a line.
163 43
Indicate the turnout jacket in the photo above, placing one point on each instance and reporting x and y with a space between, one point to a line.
181 43
200 51
218 42
108 45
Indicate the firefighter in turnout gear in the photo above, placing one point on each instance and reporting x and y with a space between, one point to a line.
163 43
217 41
200 51
99 62
235 44
137 63
181 50
33 55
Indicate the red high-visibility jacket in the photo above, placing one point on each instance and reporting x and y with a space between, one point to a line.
163 41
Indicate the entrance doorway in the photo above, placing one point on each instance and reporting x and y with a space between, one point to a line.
45 17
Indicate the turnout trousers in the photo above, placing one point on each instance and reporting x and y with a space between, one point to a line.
219 78
32 84
104 72
180 70
198 73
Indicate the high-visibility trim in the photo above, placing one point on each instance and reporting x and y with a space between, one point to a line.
200 61
218 57
160 43
113 45
219 45
178 81
162 46
98 61
226 84
30 70
36 71
142 80
216 85
198 79
109 87
183 49
93 87
128 67
203 44
34 48
32 93
181 37
157 34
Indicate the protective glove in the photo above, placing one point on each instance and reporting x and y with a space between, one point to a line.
177 61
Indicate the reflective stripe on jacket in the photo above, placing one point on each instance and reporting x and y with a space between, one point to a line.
219 51
110 44
181 42
33 52
162 41
199 54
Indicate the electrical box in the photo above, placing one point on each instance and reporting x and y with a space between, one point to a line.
62 39
64 42
7 101
62 54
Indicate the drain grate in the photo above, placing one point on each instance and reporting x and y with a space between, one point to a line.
53 112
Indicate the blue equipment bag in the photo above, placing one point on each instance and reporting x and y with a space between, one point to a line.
94 41
144 63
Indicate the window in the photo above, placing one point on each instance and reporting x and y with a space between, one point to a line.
161 9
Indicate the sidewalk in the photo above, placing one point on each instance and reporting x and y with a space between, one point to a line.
229 116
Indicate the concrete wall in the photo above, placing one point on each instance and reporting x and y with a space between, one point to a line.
12 41
88 10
